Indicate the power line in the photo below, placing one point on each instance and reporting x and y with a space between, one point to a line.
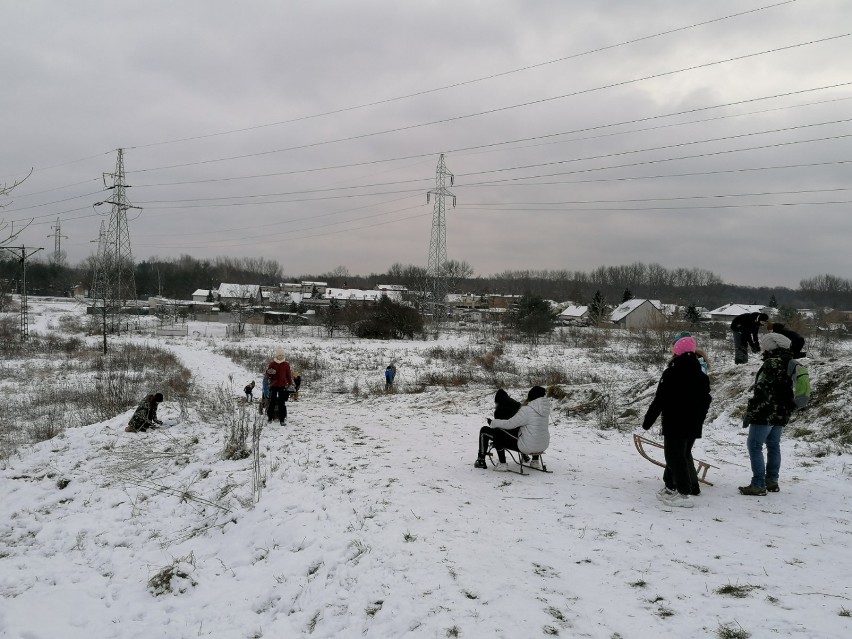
462 150
514 168
498 109
471 81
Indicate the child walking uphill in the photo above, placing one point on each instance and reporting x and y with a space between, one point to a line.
683 397
249 390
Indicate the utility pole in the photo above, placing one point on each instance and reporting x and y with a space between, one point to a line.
57 242
436 274
114 281
22 257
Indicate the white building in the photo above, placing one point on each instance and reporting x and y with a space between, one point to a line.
638 313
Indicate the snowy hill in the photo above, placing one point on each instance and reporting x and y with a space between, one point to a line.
374 522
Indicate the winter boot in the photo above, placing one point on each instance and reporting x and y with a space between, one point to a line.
751 489
480 463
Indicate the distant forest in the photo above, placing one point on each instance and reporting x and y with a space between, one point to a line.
179 277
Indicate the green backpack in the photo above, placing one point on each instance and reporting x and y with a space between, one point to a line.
801 383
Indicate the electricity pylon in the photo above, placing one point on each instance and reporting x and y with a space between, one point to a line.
22 257
57 242
436 270
114 282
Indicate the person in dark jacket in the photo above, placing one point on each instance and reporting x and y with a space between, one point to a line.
767 413
745 328
682 398
797 342
249 391
145 415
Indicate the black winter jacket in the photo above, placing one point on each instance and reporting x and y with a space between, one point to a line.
747 324
683 397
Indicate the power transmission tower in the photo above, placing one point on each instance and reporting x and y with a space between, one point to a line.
436 274
22 257
114 283
57 242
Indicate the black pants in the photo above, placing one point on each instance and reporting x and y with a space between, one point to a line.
741 347
277 397
680 473
503 439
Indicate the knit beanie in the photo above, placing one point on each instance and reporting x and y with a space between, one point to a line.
535 393
279 355
684 345
771 341
680 335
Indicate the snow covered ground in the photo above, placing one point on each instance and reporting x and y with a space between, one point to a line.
373 521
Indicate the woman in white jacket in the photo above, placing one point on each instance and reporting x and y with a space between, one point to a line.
527 432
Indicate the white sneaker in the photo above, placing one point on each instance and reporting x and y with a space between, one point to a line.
534 463
664 493
501 467
678 501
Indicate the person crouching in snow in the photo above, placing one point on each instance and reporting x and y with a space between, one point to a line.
145 416
526 432
249 390
683 397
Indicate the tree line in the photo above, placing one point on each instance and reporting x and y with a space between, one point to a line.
179 277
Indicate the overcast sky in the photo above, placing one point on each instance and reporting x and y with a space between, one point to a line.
580 134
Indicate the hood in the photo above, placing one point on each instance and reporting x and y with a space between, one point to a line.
541 406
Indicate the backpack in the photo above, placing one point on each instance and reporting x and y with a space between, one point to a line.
801 383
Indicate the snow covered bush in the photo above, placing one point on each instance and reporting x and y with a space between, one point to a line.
174 578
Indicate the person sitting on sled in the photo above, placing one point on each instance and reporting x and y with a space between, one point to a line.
526 432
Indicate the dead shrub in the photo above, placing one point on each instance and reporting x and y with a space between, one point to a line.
174 578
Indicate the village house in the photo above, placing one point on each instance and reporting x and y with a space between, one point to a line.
637 314
728 312
575 314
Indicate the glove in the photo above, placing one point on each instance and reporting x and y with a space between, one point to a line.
488 419
646 426
746 422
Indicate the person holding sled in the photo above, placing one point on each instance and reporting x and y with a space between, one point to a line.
767 413
745 328
682 398
526 431
249 390
280 385
145 415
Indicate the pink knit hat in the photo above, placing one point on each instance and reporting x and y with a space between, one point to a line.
684 345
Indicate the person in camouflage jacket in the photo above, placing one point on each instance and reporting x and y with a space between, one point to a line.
767 413
145 416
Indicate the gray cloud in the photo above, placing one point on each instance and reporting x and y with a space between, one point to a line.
82 79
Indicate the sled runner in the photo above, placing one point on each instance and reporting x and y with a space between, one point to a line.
519 460
701 467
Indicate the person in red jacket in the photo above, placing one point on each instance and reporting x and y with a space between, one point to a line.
280 385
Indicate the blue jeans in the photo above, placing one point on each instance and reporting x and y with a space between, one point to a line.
758 435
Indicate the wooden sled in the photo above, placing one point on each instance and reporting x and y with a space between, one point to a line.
701 467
